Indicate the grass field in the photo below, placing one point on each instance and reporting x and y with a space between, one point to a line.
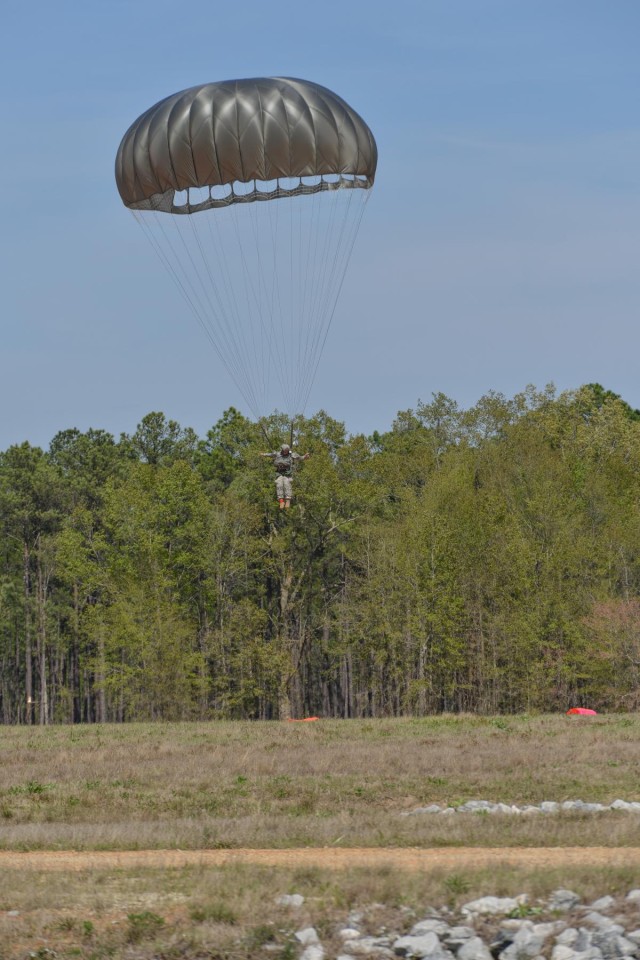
332 782
232 913
265 785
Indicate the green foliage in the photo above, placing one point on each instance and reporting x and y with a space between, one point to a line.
143 926
479 560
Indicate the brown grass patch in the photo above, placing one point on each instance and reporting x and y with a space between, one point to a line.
335 782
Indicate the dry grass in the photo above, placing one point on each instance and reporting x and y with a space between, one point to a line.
333 782
231 912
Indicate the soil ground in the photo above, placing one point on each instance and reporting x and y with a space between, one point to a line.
340 858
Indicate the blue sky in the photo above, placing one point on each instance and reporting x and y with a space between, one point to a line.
500 246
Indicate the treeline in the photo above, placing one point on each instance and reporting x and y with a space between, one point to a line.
483 560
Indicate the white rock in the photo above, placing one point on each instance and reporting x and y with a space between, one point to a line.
476 806
348 933
562 952
634 936
307 936
290 900
474 949
567 937
604 903
602 922
549 806
447 812
426 945
429 926
528 942
563 900
633 895
456 936
620 805
315 951
368 946
493 905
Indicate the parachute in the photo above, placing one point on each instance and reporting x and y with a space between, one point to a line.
205 172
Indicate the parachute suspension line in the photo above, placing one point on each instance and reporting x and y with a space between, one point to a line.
229 310
274 332
263 279
277 330
325 292
183 282
307 272
220 247
265 351
217 314
316 309
315 314
345 256
235 360
252 297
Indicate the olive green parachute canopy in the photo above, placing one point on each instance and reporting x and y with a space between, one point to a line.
255 131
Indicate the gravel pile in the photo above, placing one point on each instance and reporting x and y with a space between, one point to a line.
547 806
495 928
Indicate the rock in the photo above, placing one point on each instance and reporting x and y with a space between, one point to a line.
620 805
612 944
633 895
527 942
476 806
603 923
447 812
368 947
425 945
563 900
562 952
604 903
474 949
315 951
307 936
567 937
432 808
529 810
494 906
506 809
549 806
429 926
348 933
290 900
634 936
456 936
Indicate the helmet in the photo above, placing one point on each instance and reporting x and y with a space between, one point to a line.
285 448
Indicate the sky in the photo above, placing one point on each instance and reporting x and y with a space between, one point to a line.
500 246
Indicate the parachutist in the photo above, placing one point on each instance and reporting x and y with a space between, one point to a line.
283 461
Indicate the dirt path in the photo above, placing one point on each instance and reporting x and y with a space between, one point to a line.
410 858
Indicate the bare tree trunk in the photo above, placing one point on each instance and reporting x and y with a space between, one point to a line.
41 646
28 656
102 696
